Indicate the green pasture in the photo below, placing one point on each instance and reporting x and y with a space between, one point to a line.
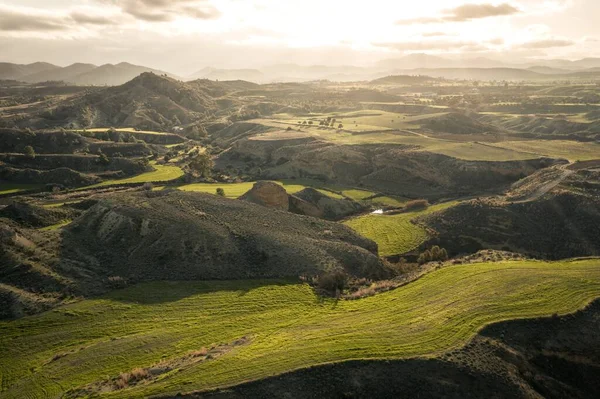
395 234
287 326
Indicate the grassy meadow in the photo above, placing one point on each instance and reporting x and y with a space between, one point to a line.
235 190
395 234
380 127
571 150
161 173
13 188
285 324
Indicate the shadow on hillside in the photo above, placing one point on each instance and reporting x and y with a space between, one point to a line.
156 292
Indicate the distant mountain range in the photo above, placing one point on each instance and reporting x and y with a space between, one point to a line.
79 74
415 64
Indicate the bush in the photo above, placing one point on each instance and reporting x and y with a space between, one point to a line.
416 205
433 255
104 159
29 152
220 192
332 282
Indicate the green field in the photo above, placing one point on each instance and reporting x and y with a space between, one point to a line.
382 135
162 173
571 150
395 234
124 129
56 226
10 188
235 190
286 325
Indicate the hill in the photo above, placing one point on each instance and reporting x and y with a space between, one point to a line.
149 102
551 214
165 338
401 170
112 75
174 236
66 74
479 73
251 75
402 80
11 71
555 356
78 74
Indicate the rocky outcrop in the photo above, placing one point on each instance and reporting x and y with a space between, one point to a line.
269 194
312 202
308 202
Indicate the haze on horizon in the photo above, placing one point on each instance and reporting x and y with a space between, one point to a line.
182 36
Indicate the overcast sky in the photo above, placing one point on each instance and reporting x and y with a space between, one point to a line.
182 36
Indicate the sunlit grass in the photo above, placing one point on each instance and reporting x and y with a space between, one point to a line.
288 326
162 173
13 188
395 234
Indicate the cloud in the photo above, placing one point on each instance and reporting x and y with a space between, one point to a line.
166 10
547 43
468 12
464 13
433 34
15 20
84 18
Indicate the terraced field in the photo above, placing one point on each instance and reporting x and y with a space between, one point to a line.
395 234
124 129
269 327
162 173
468 150
235 190
571 150
10 188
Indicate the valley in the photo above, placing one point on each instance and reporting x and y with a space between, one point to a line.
227 238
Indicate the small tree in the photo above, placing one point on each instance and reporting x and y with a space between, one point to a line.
340 126
29 152
103 158
201 164
220 192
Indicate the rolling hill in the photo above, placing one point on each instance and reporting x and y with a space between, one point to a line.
170 235
12 71
149 101
78 73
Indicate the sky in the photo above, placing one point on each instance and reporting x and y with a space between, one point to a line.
183 36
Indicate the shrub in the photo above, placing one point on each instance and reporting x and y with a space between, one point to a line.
332 282
148 186
416 205
103 158
220 192
29 152
432 255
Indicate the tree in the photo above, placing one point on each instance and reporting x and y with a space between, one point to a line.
29 152
340 126
201 164
220 192
197 132
103 158
434 254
